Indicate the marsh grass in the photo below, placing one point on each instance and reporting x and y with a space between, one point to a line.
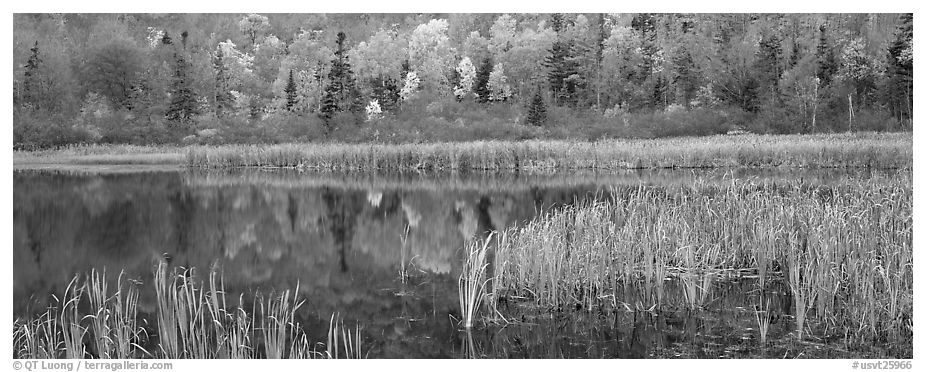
194 320
278 323
843 250
111 329
472 281
341 342
763 320
879 150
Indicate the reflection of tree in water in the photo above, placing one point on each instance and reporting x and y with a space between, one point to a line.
343 208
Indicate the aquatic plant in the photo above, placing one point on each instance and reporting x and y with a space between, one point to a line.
194 320
843 250
341 343
877 150
762 321
472 280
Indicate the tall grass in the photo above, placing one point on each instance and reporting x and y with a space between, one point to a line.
876 150
110 329
763 321
341 342
472 282
194 320
844 250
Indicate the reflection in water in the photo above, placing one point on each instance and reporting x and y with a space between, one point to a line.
385 251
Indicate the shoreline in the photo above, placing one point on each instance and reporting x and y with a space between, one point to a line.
837 151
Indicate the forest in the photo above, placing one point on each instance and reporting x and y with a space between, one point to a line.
151 79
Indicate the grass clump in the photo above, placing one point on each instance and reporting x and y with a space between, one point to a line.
194 320
843 250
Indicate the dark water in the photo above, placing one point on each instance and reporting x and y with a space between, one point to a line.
341 239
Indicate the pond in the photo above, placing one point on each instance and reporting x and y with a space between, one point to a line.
345 241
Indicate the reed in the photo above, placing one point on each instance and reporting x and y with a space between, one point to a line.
194 320
844 249
278 323
763 320
879 150
341 343
71 331
472 282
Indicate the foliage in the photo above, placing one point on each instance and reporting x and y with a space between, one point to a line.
497 84
775 73
467 73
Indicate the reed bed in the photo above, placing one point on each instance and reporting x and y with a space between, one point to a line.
194 320
876 150
104 154
844 250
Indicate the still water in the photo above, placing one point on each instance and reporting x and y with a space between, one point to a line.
345 239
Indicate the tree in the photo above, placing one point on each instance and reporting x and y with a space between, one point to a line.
898 86
684 77
291 93
253 26
560 64
112 70
537 110
183 100
32 86
467 73
223 98
411 86
429 54
767 66
502 35
859 70
378 62
826 59
341 94
499 90
481 87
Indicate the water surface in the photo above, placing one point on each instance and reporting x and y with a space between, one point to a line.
344 240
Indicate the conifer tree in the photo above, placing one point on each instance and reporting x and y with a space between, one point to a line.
183 105
291 97
536 110
898 85
32 85
341 94
481 85
560 64
223 98
767 66
826 59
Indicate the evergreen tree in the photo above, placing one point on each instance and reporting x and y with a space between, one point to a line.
329 103
536 110
684 77
826 59
481 85
32 82
795 53
560 64
291 98
898 85
386 92
183 105
223 98
767 66
341 94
